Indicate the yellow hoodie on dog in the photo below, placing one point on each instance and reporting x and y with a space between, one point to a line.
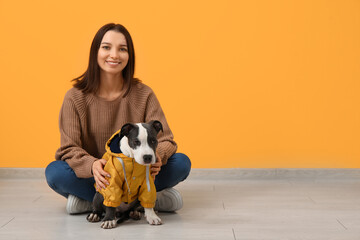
129 180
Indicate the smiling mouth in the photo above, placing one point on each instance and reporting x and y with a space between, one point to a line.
113 63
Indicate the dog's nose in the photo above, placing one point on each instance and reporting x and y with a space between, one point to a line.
147 159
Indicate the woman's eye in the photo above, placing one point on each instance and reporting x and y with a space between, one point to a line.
106 47
123 49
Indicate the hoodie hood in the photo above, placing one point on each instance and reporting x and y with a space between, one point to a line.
113 145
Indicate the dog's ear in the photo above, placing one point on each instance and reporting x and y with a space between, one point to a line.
126 129
157 125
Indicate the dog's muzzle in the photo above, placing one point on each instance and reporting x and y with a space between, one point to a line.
147 159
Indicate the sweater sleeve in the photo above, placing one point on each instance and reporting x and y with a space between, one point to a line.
71 149
167 146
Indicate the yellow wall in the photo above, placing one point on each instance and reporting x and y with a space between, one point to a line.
266 83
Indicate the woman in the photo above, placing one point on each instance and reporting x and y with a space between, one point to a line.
103 99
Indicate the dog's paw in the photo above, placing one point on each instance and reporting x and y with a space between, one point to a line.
135 215
154 220
108 224
93 217
151 217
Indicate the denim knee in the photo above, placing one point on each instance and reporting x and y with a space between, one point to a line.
184 165
49 173
54 173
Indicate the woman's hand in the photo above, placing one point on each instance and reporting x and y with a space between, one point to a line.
156 167
100 174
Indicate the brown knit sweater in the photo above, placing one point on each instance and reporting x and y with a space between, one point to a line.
87 121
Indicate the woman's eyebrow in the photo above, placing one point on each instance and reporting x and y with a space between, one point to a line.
121 45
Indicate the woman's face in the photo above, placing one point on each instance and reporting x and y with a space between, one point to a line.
113 53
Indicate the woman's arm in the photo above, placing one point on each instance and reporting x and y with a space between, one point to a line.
167 146
71 149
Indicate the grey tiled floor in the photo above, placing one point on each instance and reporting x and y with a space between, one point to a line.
213 209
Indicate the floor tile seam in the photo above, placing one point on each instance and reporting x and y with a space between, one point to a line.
7 222
341 224
234 235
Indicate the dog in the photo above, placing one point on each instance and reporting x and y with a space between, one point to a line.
129 154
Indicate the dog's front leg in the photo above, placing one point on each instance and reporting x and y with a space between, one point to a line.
151 217
98 208
109 220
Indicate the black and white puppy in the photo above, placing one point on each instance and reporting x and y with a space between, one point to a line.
138 141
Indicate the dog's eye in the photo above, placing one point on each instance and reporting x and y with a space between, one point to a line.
137 142
153 141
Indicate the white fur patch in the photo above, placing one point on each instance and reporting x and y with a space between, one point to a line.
93 217
144 148
108 224
125 148
151 217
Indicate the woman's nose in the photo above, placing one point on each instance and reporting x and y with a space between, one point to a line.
114 54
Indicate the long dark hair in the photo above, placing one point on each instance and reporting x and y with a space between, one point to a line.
89 81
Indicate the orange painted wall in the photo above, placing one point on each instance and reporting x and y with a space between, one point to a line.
243 83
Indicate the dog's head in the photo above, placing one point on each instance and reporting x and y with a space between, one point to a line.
139 141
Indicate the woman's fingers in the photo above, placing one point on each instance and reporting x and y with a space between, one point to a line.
99 184
101 181
155 172
156 167
100 174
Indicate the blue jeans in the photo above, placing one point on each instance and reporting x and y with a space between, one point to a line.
62 179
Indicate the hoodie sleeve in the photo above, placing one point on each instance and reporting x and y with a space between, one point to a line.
147 198
71 149
113 192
